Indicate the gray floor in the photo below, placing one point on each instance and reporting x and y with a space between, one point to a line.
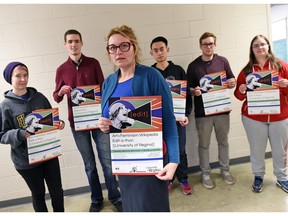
223 198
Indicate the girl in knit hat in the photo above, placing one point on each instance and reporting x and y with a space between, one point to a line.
18 103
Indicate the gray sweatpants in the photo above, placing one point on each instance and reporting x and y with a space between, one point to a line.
221 125
258 133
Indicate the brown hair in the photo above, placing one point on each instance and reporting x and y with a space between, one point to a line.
72 31
270 56
206 35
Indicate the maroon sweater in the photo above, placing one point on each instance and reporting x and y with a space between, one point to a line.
88 72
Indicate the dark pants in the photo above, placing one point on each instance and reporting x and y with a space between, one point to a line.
144 194
36 177
181 172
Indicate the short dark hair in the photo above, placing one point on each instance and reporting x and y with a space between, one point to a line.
159 39
72 31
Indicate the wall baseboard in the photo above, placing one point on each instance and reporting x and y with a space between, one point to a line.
86 189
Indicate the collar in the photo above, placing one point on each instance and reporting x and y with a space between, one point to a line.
77 63
266 66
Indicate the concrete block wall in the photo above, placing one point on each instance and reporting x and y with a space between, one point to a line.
33 34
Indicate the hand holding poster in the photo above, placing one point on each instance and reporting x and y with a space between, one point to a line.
136 135
178 91
86 106
263 96
44 142
215 93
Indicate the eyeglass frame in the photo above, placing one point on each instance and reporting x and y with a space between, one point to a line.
116 47
206 45
257 46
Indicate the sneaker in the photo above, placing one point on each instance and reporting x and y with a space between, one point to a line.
257 184
227 176
119 206
170 186
283 185
185 187
206 180
96 207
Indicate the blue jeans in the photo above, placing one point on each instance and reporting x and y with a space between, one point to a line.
181 171
84 145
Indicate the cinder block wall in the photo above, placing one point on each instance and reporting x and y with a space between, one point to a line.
33 34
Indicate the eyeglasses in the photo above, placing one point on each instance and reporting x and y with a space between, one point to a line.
206 45
124 47
256 46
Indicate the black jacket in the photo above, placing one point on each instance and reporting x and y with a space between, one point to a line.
176 72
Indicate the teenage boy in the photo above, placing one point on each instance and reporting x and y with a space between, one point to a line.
209 62
170 71
80 70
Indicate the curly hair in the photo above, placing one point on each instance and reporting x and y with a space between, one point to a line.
127 32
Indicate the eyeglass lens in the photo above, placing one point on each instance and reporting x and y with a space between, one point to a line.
207 45
259 45
124 47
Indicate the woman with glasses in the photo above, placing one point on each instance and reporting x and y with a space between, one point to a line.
140 193
263 127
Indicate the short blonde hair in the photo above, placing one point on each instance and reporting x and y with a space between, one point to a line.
128 33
